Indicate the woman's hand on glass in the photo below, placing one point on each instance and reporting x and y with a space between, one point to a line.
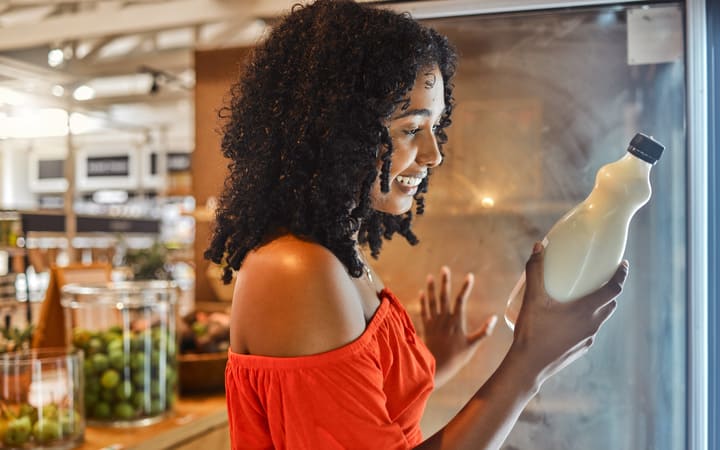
445 326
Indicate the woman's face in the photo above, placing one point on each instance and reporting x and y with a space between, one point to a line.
415 147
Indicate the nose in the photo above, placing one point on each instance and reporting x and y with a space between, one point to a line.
429 152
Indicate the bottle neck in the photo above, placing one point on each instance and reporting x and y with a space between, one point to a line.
637 165
624 184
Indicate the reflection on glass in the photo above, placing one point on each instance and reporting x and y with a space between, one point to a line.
544 100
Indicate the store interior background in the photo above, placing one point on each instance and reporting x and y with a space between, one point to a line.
130 80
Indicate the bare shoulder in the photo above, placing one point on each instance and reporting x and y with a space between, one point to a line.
292 298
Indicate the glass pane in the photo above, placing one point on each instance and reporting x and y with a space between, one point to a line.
544 100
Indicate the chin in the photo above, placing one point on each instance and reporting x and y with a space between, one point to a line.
395 208
395 202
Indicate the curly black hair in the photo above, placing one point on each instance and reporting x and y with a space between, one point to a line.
305 127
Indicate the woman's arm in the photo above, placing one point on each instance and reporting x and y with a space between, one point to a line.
486 420
549 335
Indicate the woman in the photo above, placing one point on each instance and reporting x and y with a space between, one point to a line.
332 134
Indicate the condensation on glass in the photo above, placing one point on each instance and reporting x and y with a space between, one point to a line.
543 100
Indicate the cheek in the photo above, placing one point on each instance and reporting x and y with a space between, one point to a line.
402 157
376 196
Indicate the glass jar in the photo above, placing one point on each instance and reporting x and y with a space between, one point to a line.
41 399
16 327
127 331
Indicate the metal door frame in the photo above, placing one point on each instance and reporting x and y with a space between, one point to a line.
713 61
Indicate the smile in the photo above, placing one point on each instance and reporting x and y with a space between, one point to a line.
409 181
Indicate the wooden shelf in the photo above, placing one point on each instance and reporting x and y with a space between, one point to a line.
213 306
198 422
13 250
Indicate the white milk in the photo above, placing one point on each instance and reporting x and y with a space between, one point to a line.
584 248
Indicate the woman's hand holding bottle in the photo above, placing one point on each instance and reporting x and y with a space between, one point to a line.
550 334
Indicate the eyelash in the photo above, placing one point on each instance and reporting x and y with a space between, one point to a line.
415 131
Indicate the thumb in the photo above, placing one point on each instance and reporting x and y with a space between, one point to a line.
534 272
485 331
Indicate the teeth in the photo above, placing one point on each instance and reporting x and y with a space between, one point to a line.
409 181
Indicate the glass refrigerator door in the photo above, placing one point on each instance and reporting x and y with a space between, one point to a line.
544 99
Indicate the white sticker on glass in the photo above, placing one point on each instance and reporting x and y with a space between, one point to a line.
654 34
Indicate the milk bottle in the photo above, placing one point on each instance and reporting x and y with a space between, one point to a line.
585 247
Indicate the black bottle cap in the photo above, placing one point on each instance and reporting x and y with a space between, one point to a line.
646 148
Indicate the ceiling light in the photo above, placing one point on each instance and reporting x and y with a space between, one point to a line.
487 202
55 57
82 49
83 93
120 85
119 46
57 90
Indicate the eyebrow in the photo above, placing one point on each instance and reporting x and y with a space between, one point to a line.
413 112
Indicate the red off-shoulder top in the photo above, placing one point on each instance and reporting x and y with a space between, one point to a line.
368 394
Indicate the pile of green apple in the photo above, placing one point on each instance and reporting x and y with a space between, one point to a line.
129 375
25 425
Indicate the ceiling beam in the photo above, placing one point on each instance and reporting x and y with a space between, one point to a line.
15 18
132 19
164 96
430 9
97 46
232 29
146 16
166 60
78 71
13 68
58 2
